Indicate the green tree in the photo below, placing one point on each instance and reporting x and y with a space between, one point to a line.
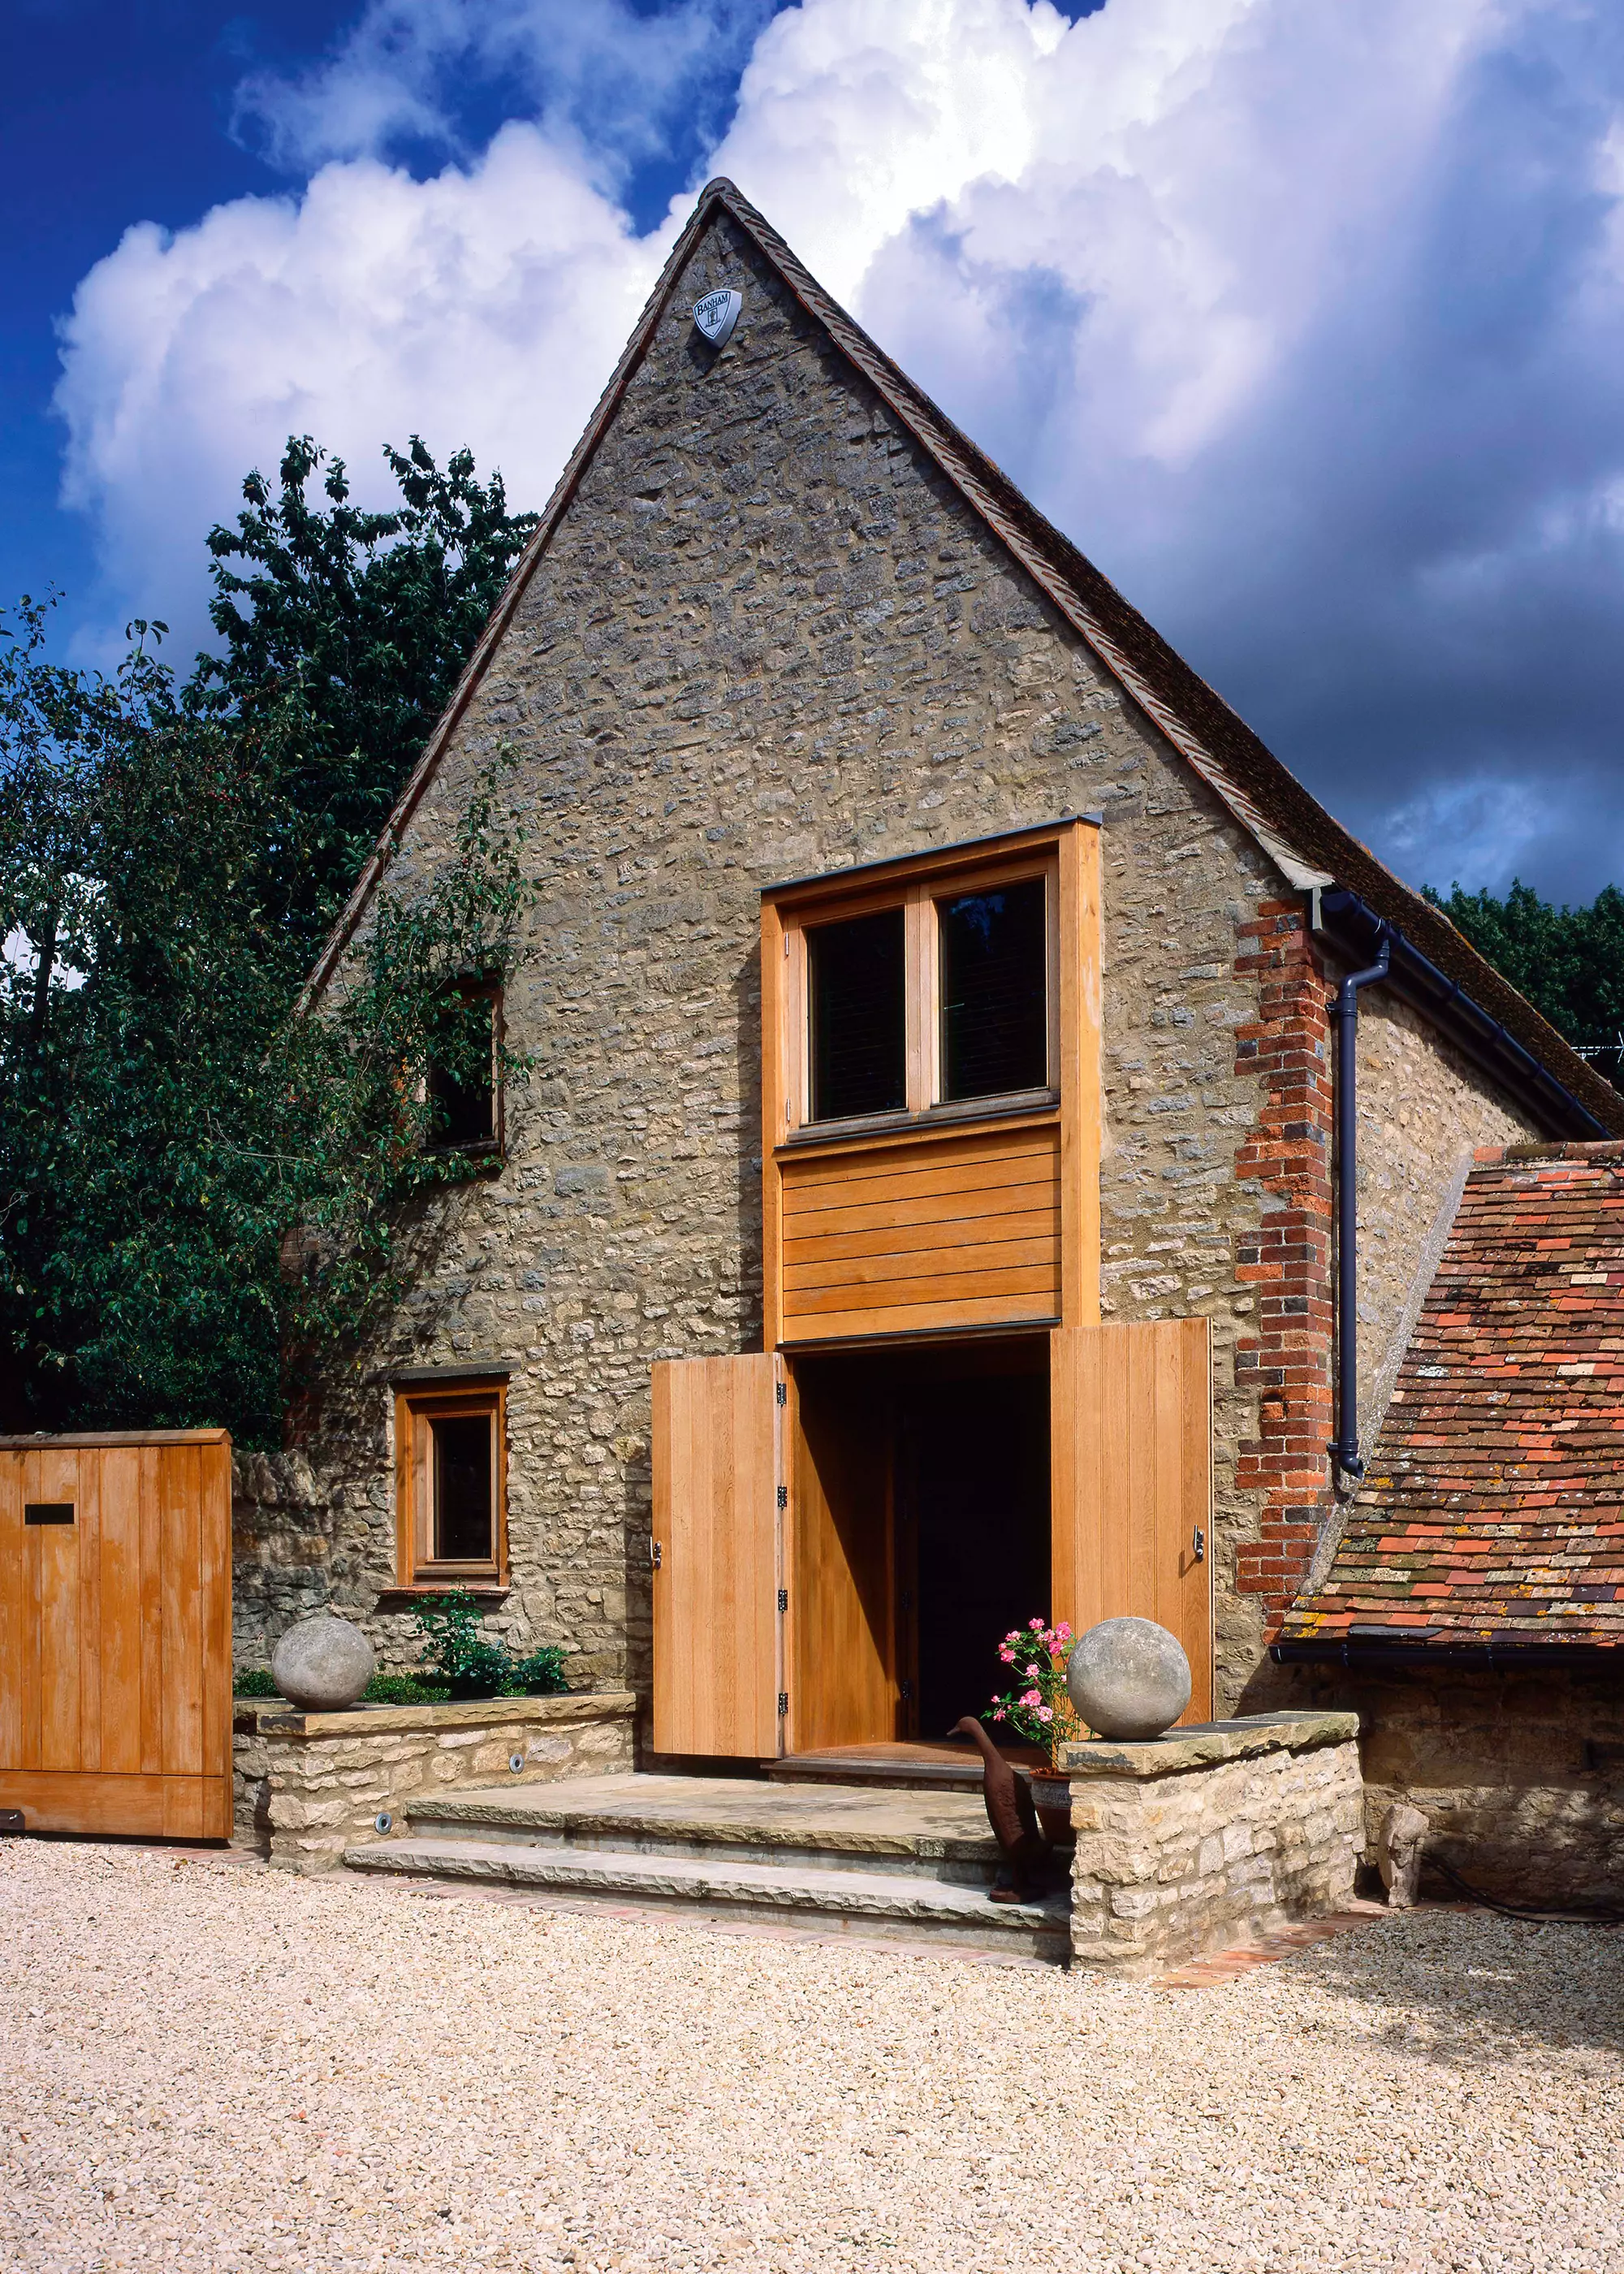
198 1192
1568 962
344 633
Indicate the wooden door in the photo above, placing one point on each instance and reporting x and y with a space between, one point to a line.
116 1633
1131 1416
716 1545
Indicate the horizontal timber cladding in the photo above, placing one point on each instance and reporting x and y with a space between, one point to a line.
928 1234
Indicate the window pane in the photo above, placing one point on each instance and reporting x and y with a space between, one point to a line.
859 1016
459 1071
463 1503
995 1016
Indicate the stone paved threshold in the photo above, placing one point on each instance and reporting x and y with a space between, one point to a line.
1228 1965
876 1903
745 1929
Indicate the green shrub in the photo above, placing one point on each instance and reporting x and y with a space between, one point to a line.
541 1674
253 1682
402 1689
472 1665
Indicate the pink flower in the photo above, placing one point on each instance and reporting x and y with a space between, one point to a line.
1031 1699
1062 1633
1036 1626
1006 1654
1031 1673
998 1713
1046 1713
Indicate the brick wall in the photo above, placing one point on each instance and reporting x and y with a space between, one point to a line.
1288 1361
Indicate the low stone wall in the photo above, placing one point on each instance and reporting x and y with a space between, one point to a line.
1519 1770
310 1785
1209 1837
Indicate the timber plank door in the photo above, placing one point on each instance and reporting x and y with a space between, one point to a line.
717 1556
116 1633
1131 1415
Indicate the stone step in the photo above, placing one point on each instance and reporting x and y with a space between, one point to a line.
954 1766
885 1904
927 1836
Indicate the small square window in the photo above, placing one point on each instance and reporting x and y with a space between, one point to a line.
994 963
462 1094
858 1001
451 1459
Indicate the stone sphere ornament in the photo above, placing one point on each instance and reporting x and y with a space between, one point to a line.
1128 1678
323 1664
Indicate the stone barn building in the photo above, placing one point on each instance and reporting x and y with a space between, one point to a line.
923 1209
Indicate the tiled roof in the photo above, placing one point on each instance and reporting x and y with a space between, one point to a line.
1494 1507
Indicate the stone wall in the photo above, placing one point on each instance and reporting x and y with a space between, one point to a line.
768 639
1423 1108
1521 1772
310 1785
1208 1838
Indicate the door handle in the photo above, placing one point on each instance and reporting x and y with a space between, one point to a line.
655 1554
1198 1545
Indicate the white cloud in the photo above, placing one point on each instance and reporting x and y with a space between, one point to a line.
484 308
599 72
1304 319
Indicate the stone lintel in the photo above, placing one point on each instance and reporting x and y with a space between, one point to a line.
1205 1745
281 1721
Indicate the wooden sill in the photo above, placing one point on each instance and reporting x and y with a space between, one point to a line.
973 1114
400 1598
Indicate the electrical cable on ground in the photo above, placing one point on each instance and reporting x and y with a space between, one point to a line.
1519 1910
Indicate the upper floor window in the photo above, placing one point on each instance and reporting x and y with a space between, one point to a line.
993 958
857 1013
939 991
464 1094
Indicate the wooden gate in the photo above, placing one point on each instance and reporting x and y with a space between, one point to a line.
1131 1417
116 1633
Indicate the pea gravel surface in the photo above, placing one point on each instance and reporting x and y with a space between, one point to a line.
204 2064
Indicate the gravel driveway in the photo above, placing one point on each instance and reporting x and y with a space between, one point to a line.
204 2065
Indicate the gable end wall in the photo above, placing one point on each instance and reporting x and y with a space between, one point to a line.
768 639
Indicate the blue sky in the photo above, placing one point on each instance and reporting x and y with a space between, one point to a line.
1306 321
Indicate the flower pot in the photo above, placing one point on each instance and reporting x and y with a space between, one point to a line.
1051 1796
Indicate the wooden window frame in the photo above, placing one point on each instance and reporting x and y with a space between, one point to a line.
917 897
493 1147
417 1408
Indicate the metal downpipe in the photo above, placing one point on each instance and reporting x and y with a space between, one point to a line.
1345 1446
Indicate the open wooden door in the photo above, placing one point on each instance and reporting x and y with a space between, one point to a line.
1131 1412
716 1555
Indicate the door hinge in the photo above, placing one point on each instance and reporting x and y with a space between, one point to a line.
655 1553
907 1693
784 1701
1198 1545
783 1495
781 1390
782 1599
